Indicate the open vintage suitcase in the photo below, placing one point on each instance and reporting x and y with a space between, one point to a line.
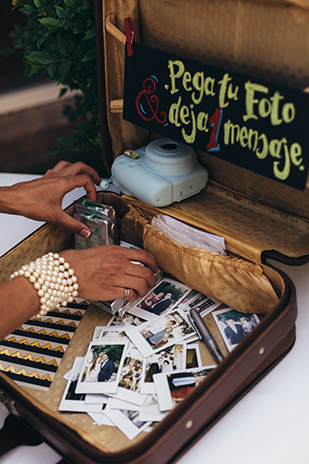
258 217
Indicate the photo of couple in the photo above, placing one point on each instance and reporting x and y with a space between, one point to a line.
164 296
234 326
102 366
101 369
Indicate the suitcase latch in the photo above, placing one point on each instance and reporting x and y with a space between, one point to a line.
9 404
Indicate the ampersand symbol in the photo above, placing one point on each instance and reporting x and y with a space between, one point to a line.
149 87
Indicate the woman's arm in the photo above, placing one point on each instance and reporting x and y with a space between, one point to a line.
41 199
103 273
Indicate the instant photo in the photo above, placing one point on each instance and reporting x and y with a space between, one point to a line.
234 325
128 421
200 302
108 332
162 298
173 388
162 332
102 367
72 401
126 319
150 410
167 360
130 379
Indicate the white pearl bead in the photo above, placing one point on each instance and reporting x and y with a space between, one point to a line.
36 285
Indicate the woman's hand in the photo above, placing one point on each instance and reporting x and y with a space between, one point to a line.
41 199
103 273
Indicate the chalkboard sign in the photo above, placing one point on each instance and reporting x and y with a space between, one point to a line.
252 123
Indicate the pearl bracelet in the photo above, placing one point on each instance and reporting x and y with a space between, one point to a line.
53 279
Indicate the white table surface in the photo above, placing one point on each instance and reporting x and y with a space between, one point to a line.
269 425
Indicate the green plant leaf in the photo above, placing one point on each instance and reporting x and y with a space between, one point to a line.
90 55
40 57
63 91
37 3
63 68
57 149
49 22
70 3
52 68
61 12
63 46
90 34
27 9
64 140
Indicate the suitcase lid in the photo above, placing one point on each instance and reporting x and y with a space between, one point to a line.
259 218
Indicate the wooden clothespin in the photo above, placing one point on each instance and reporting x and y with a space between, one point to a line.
130 35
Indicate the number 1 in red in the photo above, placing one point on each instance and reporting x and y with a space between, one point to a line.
215 121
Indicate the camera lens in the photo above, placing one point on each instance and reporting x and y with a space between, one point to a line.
169 146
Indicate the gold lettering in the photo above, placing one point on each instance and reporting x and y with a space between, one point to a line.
251 88
184 114
274 117
222 92
229 132
295 153
255 134
198 84
202 119
261 154
243 136
174 113
191 137
288 112
282 175
209 86
175 75
186 80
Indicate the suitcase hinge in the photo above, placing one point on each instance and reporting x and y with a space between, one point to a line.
9 404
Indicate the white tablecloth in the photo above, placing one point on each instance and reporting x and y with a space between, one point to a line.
269 425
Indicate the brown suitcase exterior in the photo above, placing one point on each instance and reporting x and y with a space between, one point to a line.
256 355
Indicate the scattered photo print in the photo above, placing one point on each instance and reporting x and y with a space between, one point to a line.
108 331
192 357
150 410
234 325
128 421
102 367
200 302
166 360
130 378
126 319
72 401
162 332
173 388
164 296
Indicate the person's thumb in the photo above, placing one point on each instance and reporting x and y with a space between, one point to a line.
75 226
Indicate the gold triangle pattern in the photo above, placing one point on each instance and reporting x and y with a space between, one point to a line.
25 373
36 344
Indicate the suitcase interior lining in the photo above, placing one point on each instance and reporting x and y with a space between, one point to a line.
48 237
